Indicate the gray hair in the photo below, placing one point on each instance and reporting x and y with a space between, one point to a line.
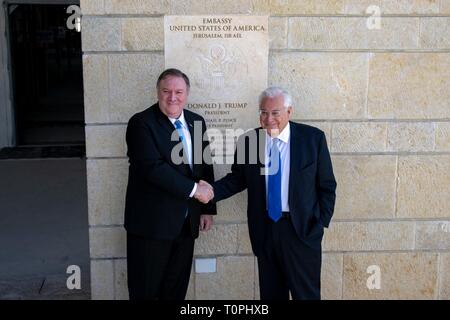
272 92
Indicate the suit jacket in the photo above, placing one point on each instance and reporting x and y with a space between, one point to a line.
311 184
158 189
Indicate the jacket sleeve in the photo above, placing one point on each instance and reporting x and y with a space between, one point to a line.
326 183
235 181
146 159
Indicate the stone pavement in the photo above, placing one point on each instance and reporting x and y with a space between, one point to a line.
43 228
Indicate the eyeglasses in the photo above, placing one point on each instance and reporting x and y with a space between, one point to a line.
274 113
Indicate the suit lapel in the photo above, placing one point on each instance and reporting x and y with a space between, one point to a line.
295 158
190 124
163 120
261 137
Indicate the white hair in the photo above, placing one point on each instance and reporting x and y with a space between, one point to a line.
272 92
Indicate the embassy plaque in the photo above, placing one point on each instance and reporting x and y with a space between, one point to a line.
226 59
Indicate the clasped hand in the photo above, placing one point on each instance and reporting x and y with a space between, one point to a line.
204 192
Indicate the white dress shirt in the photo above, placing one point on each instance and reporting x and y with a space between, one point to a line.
284 144
188 140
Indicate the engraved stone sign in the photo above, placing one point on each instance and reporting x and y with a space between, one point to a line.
226 59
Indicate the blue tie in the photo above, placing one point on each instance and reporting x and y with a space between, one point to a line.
274 183
179 127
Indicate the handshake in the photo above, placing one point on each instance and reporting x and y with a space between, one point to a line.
204 192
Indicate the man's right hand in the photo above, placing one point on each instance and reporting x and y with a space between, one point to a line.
204 192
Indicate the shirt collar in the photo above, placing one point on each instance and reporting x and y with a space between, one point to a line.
284 134
181 118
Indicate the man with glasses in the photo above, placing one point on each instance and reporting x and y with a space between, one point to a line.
291 197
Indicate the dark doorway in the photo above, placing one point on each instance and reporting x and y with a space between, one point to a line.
47 76
43 186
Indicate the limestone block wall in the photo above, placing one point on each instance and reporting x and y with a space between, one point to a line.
382 96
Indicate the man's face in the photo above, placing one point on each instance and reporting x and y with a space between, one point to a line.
172 96
273 115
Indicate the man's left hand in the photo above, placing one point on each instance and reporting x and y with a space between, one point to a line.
206 222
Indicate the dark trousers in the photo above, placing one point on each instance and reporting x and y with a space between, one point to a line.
159 269
288 264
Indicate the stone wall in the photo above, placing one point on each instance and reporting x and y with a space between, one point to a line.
381 96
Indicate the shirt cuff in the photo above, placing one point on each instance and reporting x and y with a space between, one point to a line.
193 190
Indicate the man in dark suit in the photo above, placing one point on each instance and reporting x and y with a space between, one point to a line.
166 172
287 171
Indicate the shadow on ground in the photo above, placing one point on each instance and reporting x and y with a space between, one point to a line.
43 228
